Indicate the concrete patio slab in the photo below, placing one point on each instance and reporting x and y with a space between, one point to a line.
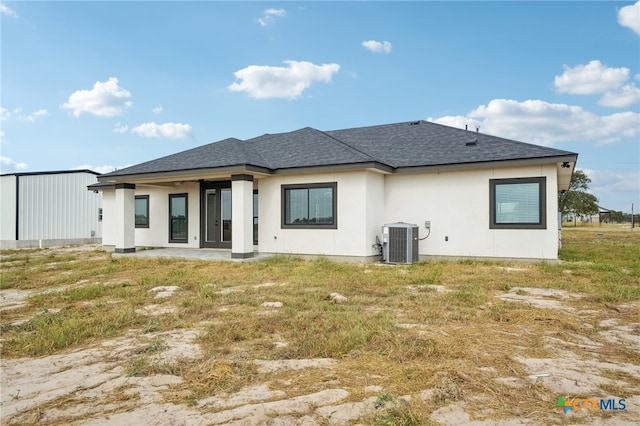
191 253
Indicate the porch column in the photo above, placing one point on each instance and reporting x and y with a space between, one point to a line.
242 216
125 218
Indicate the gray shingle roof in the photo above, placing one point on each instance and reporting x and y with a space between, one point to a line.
408 144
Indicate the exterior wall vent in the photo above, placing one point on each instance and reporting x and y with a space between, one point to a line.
400 243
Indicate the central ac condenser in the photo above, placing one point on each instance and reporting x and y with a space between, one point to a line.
400 242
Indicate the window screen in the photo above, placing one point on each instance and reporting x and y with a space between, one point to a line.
518 203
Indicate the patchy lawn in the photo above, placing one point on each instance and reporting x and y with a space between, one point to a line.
88 338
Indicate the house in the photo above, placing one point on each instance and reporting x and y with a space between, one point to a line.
42 209
312 192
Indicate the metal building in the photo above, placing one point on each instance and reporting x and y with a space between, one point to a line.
42 209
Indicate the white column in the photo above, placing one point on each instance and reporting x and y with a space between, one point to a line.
124 218
242 216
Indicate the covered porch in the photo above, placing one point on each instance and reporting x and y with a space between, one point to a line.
181 215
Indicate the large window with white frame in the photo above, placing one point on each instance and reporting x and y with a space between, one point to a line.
310 205
518 203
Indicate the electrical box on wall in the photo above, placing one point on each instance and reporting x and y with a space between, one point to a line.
427 224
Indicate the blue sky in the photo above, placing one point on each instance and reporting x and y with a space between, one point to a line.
103 85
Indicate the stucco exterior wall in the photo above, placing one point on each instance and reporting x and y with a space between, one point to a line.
108 217
157 234
457 204
356 192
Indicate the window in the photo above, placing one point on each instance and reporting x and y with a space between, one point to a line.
518 203
178 218
142 211
309 206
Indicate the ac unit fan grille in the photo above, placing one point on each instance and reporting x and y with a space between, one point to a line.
400 243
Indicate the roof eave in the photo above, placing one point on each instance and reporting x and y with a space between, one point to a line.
569 157
186 173
369 165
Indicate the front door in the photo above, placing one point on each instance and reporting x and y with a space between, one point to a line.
215 213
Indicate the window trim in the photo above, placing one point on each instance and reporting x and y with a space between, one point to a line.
142 225
334 200
186 214
542 203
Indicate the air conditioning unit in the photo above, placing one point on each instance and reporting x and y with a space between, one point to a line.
400 242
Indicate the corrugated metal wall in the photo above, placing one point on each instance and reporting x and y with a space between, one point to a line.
58 206
8 207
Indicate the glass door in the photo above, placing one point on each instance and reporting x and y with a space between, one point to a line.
211 224
225 215
215 224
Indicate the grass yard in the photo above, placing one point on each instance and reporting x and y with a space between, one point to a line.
224 342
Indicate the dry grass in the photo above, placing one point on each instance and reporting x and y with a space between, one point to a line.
395 331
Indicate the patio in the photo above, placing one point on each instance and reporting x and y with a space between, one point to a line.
191 253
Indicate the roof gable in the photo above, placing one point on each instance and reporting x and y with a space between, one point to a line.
306 147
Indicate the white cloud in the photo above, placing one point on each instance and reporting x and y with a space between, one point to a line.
158 109
629 16
4 114
271 15
264 82
625 184
596 78
543 123
377 46
6 11
120 128
106 99
620 98
8 165
605 181
165 130
35 115
593 78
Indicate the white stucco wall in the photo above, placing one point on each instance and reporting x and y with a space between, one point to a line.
357 221
109 217
157 234
457 204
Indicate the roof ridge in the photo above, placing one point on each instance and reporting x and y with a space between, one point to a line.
243 146
359 151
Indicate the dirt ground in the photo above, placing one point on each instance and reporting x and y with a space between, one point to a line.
90 384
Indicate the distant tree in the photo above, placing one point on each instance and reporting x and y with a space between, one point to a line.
577 200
